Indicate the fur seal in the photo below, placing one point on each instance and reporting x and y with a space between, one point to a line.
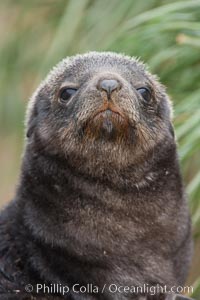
100 198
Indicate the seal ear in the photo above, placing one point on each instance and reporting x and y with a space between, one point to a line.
171 129
31 119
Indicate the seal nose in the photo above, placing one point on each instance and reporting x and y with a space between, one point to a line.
109 85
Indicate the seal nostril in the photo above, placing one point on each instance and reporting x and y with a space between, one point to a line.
109 85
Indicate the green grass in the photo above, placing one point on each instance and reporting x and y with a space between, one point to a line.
165 34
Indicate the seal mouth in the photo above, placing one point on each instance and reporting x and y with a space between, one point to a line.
107 123
108 112
109 119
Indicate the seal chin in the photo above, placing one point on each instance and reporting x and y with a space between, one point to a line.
107 124
109 120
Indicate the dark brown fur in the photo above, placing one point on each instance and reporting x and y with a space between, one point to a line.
100 198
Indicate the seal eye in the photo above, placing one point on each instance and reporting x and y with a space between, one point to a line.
67 93
145 93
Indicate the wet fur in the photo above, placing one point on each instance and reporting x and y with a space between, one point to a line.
91 206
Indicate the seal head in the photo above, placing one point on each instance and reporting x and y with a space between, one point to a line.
101 105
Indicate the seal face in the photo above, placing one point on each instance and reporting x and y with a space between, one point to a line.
106 101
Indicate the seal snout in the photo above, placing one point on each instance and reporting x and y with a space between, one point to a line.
108 121
109 85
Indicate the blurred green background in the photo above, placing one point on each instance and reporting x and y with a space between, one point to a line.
34 35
